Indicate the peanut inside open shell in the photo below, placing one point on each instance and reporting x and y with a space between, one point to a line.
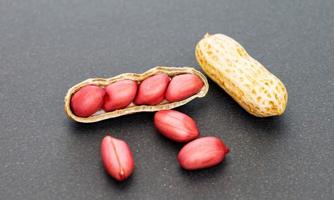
132 108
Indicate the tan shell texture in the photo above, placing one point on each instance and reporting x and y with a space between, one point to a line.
246 80
102 82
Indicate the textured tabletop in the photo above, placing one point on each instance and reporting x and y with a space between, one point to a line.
48 46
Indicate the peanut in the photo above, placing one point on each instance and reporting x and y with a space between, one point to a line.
183 86
115 102
117 158
152 90
87 100
119 95
202 153
246 80
176 125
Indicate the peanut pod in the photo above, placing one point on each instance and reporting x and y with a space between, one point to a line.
246 80
132 108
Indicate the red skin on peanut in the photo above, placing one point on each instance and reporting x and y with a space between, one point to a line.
183 86
117 158
202 153
175 125
119 95
152 90
87 100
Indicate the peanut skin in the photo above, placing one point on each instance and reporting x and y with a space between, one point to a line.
175 125
119 95
152 90
202 153
183 86
117 158
87 100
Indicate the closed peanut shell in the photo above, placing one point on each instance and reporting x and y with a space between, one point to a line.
246 80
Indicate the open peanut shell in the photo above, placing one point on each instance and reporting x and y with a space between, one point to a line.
132 108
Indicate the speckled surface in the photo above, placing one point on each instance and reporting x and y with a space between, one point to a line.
48 46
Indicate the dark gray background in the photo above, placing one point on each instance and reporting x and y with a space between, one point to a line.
48 46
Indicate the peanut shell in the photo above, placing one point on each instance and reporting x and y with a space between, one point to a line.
246 80
132 108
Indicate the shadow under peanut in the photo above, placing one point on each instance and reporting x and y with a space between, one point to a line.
236 115
116 126
167 144
122 186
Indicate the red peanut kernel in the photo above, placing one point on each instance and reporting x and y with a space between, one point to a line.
87 100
